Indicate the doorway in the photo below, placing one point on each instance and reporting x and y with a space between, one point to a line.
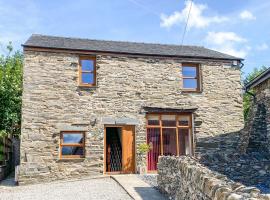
119 149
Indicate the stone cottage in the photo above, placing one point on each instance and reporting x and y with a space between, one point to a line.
88 104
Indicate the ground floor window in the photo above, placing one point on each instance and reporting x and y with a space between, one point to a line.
72 144
168 134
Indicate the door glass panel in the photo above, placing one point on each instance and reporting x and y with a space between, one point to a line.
153 138
153 120
183 121
183 141
168 120
169 141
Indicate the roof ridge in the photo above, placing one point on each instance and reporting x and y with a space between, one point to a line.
128 47
121 41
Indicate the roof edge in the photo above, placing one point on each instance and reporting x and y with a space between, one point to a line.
28 43
128 53
258 79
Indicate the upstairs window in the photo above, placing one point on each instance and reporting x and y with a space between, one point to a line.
87 71
191 77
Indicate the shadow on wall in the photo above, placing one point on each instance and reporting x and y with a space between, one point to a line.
258 140
242 156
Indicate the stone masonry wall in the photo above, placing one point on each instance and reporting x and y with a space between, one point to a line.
183 178
260 133
255 137
53 102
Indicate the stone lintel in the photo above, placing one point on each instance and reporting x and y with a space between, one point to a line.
64 127
119 121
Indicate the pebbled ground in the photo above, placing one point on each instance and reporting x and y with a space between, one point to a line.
100 189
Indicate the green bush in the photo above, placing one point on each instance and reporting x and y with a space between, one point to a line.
144 148
10 92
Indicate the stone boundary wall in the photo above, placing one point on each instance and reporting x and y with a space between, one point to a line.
252 169
185 178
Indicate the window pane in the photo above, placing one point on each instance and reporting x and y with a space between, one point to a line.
87 65
168 120
69 138
183 120
190 83
88 78
169 141
183 141
153 138
153 120
72 151
189 71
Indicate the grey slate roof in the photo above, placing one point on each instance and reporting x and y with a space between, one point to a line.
258 79
45 41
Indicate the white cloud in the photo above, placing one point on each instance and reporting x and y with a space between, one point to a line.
229 43
262 47
247 15
220 38
196 18
17 26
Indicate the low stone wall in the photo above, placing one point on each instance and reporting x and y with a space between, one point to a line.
252 169
185 178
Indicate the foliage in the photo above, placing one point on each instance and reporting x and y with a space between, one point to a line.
144 148
10 91
247 98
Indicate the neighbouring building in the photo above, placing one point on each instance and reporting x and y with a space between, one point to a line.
88 104
256 134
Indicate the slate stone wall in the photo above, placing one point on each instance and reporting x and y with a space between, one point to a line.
250 162
184 178
255 137
53 102
250 169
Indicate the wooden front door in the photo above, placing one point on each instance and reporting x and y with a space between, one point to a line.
128 149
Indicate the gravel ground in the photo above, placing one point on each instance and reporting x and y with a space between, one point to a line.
151 179
101 189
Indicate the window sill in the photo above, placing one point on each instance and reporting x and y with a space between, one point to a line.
70 160
191 91
87 86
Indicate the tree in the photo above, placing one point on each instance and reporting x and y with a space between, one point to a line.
10 91
247 98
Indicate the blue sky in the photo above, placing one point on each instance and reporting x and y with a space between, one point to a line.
237 27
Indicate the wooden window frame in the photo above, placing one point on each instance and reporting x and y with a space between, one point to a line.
189 127
198 77
62 144
81 84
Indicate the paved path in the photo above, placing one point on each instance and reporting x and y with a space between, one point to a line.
137 188
90 189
